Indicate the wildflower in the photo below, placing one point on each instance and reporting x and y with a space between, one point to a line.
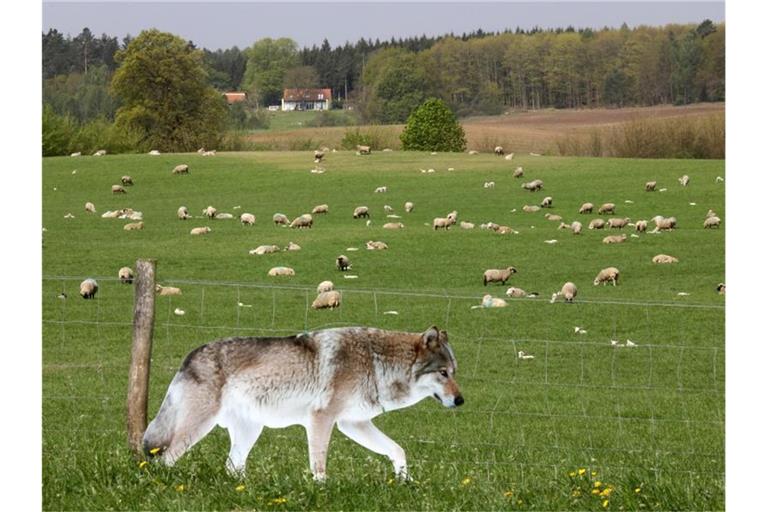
572 473
606 492
240 488
142 464
637 490
595 491
594 473
598 483
180 488
582 471
519 502
390 481
154 451
279 501
508 494
466 481
576 493
605 504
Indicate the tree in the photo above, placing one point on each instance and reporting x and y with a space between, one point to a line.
301 77
395 82
165 95
433 127
268 61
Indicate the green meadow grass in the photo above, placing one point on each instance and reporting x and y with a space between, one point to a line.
647 423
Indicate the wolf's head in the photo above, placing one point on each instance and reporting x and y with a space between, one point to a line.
435 368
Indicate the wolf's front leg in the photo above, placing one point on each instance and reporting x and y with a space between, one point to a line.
319 435
366 434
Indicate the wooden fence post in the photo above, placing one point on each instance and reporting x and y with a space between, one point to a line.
141 352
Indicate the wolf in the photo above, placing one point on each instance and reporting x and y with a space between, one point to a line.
343 376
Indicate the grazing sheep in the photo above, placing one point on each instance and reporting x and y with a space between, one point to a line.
117 189
641 225
607 274
509 156
342 263
224 216
495 275
210 212
183 213
533 186
330 299
325 286
574 226
616 223
466 225
181 169
360 211
380 190
364 150
126 180
90 207
167 290
100 152
586 208
683 180
519 292
498 150
408 207
88 288
614 239
546 202
264 249
293 247
721 288
518 173
597 224
302 221
607 208
281 271
393 225
125 275
200 231
531 208
247 219
567 292
489 184
375 246
280 218
664 258
650 186
710 213
552 217
664 223
388 209
443 222
134 226
712 222
492 302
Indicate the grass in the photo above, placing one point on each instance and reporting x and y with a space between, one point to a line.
648 421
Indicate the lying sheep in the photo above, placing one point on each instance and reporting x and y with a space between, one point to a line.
533 186
360 211
293 247
664 223
388 209
330 299
586 208
519 292
200 231
302 221
109 214
546 202
134 226
224 216
281 271
325 286
492 226
125 275
518 173
247 219
342 263
117 189
554 218
489 184
88 288
498 150
567 292
183 213
280 218
530 208
650 186
408 207
466 225
364 150
76 154
712 222
154 152
683 180
380 190
510 156
597 224
504 230
607 208
210 212
614 239
641 226
375 246
264 249
492 302
495 275
100 152
167 290
443 222
617 223
473 152
127 181
181 169
90 207
393 225
664 258
607 274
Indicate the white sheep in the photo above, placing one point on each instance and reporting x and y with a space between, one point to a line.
210 212
318 156
375 246
641 226
281 271
342 263
443 222
408 207
247 219
280 218
330 299
664 223
586 208
264 249
495 275
134 226
510 156
100 152
364 150
126 180
607 274
498 150
617 223
183 213
200 231
224 216
710 213
492 226
466 225
518 173
614 239
325 286
533 186
360 211
117 189
683 180
650 186
607 208
167 290
321 208
393 225
154 152
293 247
552 217
76 154
88 288
531 208
546 202
125 275
492 302
567 292
712 222
90 207
574 226
181 169
489 184
519 292
302 221
473 152
388 209
380 190
664 258
597 224
505 230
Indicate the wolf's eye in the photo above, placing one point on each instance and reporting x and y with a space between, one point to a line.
444 373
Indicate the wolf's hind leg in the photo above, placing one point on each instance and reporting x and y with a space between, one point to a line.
319 435
367 435
242 436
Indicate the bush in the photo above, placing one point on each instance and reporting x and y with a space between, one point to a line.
328 118
376 137
433 127
57 133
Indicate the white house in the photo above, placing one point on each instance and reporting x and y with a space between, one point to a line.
306 99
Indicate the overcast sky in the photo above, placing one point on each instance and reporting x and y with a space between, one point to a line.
215 25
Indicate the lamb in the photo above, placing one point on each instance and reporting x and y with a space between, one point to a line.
167 290
117 189
88 288
650 186
519 292
342 263
683 180
125 275
200 231
380 190
489 184
567 292
607 274
264 249
210 212
597 224
325 286
546 202
466 225
183 213
364 150
330 299
281 271
607 208
617 223
134 226
375 246
641 226
90 207
181 169
280 218
360 211
126 180
495 275
302 221
443 222
586 208
498 150
533 186
247 219
393 225
293 247
664 223
518 173
492 302
530 208
552 217
664 258
712 222
614 239
408 207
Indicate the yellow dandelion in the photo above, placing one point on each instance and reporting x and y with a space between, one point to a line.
180 488
598 483
466 481
576 493
154 451
240 488
582 471
595 491
637 490
607 491
390 481
508 494
142 464
605 503
572 473
594 473
519 502
279 501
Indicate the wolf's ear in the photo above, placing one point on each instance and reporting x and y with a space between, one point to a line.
431 338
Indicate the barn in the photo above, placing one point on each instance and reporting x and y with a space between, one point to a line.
235 97
306 99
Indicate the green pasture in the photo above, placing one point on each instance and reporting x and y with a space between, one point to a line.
644 424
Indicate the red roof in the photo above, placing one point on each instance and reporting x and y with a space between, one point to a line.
234 97
306 94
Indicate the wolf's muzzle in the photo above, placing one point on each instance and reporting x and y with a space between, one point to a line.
458 400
